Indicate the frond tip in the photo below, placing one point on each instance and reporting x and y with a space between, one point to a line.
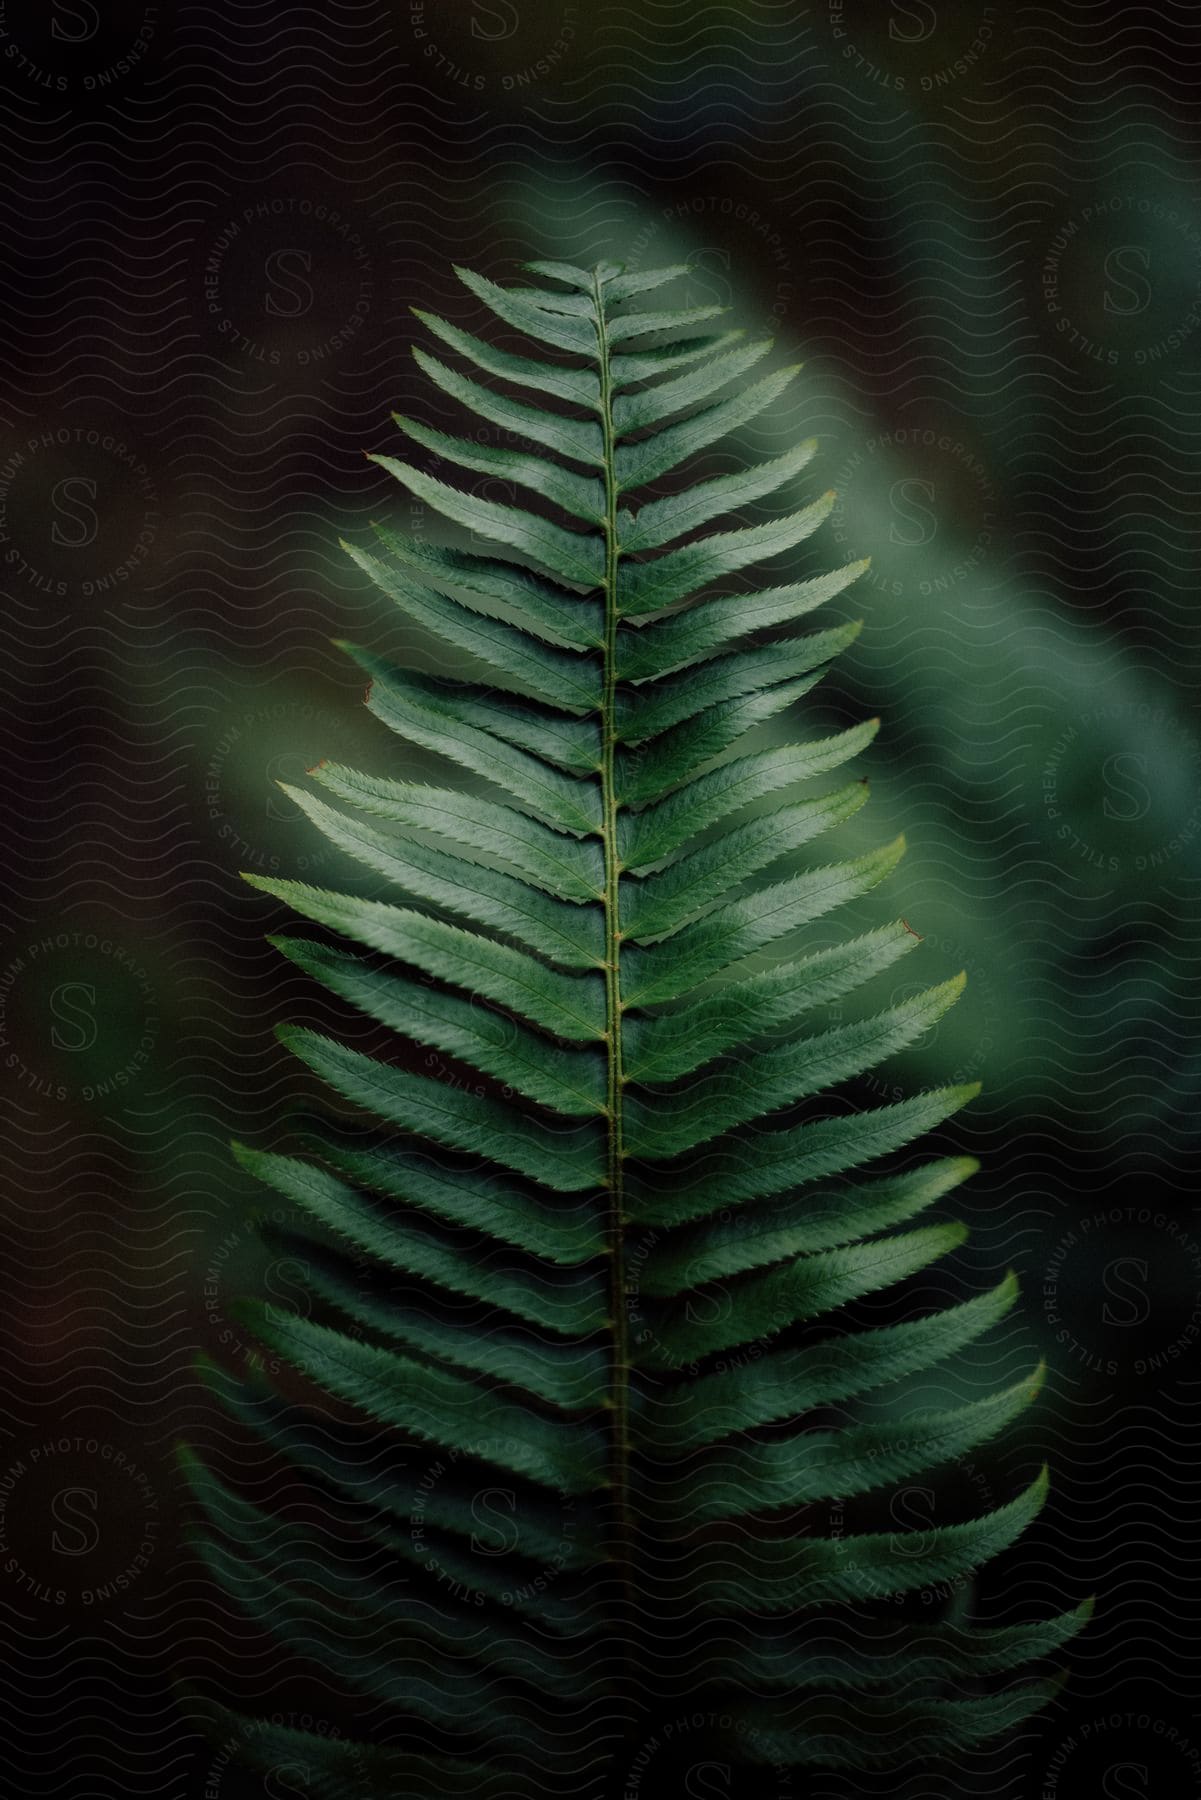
587 1235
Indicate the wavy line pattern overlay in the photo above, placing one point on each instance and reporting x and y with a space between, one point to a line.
980 229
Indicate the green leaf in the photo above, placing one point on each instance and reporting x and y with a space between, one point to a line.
787 1383
571 555
331 1631
663 829
579 306
651 405
571 1082
568 1005
643 281
550 674
567 1158
891 1653
561 271
297 1583
662 904
478 828
340 1768
768 1162
335 1768
566 934
662 1047
661 521
650 586
763 1305
497 589
778 1575
566 1307
760 1081
645 773
645 461
560 802
575 438
737 930
685 637
339 1462
683 323
584 498
560 1375
667 359
752 1239
659 705
569 743
553 1612
478 1199
888 1730
822 1465
433 1405
561 333
579 386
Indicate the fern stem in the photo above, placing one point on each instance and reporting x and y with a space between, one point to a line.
620 1392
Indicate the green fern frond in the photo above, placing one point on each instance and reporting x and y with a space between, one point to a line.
534 1276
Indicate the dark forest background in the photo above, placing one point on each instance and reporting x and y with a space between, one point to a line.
980 227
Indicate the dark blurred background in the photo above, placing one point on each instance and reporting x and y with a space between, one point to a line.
980 228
